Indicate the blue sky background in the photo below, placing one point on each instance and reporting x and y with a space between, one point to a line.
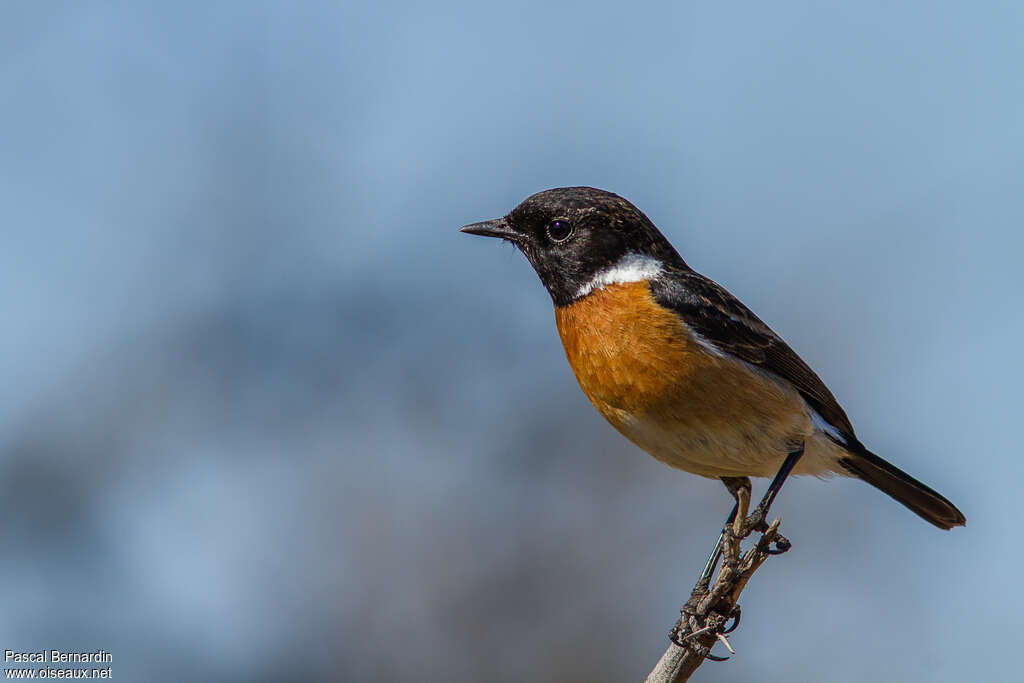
265 414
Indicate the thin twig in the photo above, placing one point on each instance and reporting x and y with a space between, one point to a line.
706 613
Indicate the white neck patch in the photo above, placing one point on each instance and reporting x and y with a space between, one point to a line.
632 267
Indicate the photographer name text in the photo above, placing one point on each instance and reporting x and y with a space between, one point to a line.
45 656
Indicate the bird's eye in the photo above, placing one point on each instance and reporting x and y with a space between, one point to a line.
559 230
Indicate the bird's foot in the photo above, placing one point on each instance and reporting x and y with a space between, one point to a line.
695 622
779 545
755 522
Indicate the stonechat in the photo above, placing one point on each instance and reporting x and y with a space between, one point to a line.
677 364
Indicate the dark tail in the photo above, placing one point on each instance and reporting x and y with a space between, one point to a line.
926 502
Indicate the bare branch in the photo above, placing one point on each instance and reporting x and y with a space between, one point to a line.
705 615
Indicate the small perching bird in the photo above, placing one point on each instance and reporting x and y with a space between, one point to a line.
677 364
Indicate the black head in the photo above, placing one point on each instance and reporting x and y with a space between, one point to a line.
571 234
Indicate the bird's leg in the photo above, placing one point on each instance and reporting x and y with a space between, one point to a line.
741 524
756 520
709 568
695 614
739 487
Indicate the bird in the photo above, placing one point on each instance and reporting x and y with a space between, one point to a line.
678 365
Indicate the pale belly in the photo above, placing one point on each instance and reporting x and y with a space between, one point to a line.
753 443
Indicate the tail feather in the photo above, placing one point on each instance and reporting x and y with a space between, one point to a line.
921 499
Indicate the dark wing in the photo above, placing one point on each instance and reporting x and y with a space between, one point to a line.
720 318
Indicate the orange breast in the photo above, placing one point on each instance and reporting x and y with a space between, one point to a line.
628 353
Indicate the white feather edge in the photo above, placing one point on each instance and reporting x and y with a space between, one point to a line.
823 426
632 267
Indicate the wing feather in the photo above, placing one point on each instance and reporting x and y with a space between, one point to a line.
724 322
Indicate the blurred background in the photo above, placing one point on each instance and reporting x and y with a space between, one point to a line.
266 415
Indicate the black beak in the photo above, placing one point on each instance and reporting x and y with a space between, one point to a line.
499 227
